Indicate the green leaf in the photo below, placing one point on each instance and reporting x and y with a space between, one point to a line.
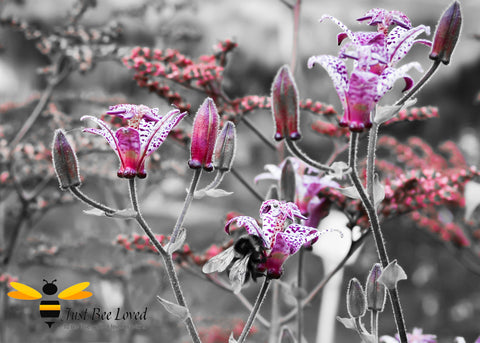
340 169
472 198
179 311
349 323
350 192
128 213
213 193
392 274
385 113
378 191
172 247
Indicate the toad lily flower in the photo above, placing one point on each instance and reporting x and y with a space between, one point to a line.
145 132
375 54
279 240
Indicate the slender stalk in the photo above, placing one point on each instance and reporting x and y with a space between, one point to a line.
377 235
355 245
89 201
260 134
372 144
374 325
293 148
420 83
299 299
247 185
47 93
275 314
216 181
253 313
186 204
296 25
167 259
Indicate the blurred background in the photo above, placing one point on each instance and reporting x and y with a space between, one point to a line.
441 295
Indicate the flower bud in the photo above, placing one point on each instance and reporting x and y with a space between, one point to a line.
376 291
287 182
65 161
225 147
285 105
204 135
356 302
446 34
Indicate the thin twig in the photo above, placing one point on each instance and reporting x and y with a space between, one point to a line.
256 307
260 134
247 185
89 201
167 259
295 151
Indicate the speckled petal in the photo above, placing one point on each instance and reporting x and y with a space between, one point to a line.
400 41
390 75
104 131
341 25
249 223
152 137
337 70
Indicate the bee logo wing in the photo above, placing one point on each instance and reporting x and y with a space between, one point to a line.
220 262
23 292
75 292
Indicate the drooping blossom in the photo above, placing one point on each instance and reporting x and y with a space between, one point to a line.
279 239
417 336
307 185
375 55
145 132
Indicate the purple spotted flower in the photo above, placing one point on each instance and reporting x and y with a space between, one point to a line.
145 132
417 336
375 55
279 239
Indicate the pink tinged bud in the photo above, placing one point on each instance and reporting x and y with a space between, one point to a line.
225 147
287 182
446 34
285 105
205 127
65 161
274 265
376 291
356 301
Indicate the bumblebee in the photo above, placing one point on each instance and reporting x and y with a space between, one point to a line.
49 309
242 261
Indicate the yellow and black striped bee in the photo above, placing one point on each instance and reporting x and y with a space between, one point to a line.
49 309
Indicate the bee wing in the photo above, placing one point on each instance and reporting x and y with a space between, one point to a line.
220 262
23 292
238 273
75 292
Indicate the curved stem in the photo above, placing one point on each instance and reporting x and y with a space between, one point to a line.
247 185
293 148
89 201
186 204
419 84
253 313
260 135
377 235
167 259
216 181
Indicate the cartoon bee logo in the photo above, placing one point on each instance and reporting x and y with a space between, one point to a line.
49 309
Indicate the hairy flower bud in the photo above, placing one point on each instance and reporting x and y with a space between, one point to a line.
285 105
376 291
287 182
204 135
356 302
65 161
225 147
446 34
